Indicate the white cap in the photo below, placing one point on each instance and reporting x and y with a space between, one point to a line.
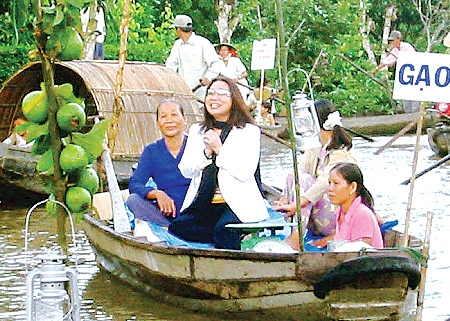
395 34
182 21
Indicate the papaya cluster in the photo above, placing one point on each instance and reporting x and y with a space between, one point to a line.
74 160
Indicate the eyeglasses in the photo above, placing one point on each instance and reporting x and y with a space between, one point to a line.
219 92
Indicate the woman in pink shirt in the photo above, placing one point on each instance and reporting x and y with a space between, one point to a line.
355 218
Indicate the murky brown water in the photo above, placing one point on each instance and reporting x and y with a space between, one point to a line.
105 298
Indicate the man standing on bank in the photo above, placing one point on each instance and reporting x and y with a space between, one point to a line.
193 57
396 45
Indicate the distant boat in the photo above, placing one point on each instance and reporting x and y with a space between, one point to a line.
364 285
145 85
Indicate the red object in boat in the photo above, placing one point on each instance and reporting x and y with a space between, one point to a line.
442 108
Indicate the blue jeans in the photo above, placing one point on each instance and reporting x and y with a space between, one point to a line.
147 210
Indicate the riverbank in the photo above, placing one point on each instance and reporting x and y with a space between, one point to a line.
383 125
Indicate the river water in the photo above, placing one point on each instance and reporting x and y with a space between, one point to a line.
105 298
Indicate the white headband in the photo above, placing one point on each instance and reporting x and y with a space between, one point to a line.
333 119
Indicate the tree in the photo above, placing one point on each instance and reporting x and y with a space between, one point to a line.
227 19
54 114
435 19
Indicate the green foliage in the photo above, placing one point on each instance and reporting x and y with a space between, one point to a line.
92 141
12 58
331 26
45 163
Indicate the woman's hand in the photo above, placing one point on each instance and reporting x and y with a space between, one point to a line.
322 242
165 204
288 209
212 141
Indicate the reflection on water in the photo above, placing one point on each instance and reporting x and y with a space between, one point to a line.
106 298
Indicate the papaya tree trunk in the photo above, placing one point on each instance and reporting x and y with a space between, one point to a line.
58 181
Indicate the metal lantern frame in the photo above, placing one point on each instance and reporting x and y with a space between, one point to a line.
52 275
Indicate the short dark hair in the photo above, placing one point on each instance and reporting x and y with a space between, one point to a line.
166 101
185 29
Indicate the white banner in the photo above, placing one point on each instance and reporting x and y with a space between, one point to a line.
263 54
422 76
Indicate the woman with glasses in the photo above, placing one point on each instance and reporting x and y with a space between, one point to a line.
221 157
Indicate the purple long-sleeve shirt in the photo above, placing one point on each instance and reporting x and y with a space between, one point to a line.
157 162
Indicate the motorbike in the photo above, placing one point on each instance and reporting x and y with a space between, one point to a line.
439 133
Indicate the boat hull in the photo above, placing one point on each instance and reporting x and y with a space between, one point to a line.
439 138
236 281
17 168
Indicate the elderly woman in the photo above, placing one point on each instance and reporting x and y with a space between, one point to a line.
161 202
222 156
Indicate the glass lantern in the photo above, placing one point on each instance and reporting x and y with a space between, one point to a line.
305 122
50 301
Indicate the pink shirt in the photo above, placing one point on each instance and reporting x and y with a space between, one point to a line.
359 222
392 57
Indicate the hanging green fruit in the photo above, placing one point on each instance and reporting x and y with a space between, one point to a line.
78 199
65 43
51 206
89 180
72 158
71 117
35 106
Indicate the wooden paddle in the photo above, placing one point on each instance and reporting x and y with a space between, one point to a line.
120 216
359 134
439 162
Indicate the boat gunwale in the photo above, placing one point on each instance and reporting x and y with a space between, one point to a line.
163 248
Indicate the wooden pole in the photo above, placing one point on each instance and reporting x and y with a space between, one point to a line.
283 55
396 136
118 103
413 176
316 63
423 269
121 223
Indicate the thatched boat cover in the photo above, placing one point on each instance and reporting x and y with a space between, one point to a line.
145 85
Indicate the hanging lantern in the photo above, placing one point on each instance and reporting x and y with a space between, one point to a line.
305 122
47 298
51 301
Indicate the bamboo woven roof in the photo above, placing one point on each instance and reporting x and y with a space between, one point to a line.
145 85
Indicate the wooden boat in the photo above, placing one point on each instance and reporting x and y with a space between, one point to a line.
439 138
364 285
145 85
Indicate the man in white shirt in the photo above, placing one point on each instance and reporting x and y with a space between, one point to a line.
193 57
